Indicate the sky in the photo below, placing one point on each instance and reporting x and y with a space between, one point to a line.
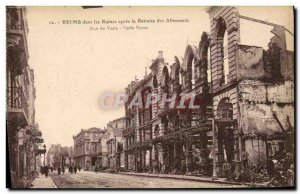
74 65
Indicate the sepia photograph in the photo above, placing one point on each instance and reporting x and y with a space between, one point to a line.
150 97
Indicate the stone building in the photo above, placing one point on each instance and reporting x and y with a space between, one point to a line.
138 133
253 92
87 147
103 156
246 99
112 154
23 135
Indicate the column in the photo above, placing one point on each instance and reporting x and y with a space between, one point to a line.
150 160
203 153
237 150
165 161
188 155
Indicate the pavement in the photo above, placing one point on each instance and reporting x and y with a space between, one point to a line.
41 182
186 177
93 180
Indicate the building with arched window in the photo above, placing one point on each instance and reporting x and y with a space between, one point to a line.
245 100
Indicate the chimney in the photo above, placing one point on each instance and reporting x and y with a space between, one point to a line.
146 71
160 54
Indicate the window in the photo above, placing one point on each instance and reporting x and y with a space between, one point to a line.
222 41
225 58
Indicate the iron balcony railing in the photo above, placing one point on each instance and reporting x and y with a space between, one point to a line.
16 99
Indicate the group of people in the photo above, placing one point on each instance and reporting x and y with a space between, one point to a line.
72 169
60 170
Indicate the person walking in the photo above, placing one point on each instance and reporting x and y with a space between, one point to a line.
59 170
245 156
46 171
63 170
71 169
75 169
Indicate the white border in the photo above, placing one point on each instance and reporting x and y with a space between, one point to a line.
4 3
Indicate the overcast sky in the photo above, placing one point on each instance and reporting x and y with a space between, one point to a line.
73 65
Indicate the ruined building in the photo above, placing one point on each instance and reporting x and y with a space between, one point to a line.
246 99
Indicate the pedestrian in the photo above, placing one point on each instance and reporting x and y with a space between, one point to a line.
63 170
72 169
46 171
42 170
79 168
59 170
75 169
245 156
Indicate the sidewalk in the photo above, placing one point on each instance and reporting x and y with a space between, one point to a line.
42 182
185 177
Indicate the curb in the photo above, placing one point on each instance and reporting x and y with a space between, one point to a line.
187 178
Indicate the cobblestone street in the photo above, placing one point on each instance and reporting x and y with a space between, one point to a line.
86 179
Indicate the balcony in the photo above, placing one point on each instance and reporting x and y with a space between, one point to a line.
17 108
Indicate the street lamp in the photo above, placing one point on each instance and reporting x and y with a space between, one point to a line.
44 153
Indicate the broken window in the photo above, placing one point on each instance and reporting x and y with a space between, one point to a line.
222 41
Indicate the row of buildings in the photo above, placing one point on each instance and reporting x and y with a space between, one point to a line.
246 114
246 99
24 141
100 148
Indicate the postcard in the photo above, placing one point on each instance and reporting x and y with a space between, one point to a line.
150 97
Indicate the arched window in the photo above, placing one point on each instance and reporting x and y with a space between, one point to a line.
189 68
208 66
225 58
193 74
222 40
165 80
203 62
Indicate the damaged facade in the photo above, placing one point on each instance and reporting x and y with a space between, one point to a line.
246 98
114 144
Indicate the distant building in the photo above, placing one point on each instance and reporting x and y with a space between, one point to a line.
59 156
53 155
87 147
114 144
103 158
